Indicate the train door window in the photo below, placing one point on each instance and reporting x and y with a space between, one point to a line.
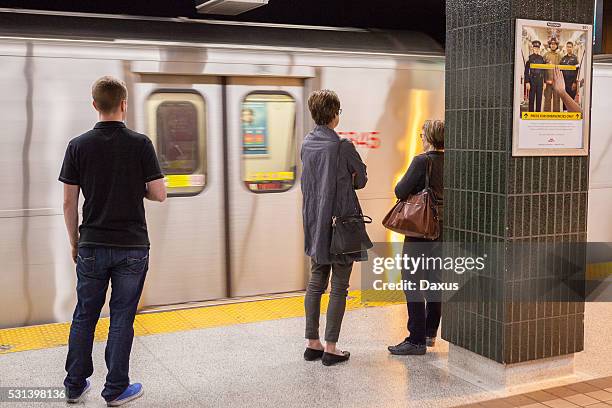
177 126
268 141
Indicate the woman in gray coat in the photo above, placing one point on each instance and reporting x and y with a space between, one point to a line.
331 172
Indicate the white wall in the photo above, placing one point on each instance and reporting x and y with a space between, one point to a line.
599 221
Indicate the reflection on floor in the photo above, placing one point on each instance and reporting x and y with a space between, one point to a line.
259 364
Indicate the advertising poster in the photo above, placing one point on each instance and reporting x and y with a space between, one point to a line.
552 93
254 119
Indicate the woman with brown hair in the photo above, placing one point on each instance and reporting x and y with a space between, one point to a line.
423 316
331 172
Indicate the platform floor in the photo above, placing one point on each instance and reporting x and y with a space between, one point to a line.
259 364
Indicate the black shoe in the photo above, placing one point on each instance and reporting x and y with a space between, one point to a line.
430 341
407 348
312 354
331 359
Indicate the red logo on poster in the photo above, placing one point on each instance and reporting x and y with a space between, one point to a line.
371 140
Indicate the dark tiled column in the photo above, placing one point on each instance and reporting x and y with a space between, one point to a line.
490 195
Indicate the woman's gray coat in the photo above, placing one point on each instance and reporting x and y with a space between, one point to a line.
319 153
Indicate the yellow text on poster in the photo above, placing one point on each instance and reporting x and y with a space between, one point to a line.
551 115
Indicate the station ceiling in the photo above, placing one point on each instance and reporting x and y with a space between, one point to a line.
426 16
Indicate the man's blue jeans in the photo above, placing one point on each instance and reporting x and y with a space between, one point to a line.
126 269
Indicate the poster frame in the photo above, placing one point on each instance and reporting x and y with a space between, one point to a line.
519 67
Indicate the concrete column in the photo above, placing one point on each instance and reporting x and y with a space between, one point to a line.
491 196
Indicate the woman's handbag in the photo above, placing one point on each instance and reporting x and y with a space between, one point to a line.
348 232
418 216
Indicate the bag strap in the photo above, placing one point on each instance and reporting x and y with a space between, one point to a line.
428 171
427 178
337 174
360 212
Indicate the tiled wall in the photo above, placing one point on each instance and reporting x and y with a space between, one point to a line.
491 196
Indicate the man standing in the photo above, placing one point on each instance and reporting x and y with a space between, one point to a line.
534 78
570 76
116 168
553 56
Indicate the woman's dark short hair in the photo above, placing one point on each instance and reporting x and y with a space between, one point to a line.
433 131
324 105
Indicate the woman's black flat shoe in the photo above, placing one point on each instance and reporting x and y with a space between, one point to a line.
329 359
312 354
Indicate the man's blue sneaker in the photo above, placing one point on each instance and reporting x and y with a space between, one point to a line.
132 392
79 398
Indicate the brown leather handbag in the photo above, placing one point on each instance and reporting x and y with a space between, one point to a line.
418 216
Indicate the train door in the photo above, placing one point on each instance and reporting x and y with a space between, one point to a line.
183 118
264 133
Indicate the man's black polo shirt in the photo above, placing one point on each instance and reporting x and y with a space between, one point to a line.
111 164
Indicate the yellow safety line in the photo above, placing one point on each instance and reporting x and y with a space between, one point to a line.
599 271
56 334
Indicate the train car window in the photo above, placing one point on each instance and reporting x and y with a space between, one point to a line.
177 126
268 142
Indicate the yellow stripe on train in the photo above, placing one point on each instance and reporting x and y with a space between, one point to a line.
184 180
270 176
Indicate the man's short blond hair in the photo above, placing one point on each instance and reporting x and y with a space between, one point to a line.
108 92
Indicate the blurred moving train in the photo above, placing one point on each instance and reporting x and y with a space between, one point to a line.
225 106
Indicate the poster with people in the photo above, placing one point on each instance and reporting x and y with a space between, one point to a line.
254 117
552 93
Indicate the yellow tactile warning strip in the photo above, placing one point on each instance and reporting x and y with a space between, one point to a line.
599 271
56 334
595 393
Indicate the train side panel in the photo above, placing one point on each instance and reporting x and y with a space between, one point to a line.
45 102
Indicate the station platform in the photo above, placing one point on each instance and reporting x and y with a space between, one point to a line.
250 355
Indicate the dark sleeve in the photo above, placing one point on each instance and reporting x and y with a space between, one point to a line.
413 179
150 165
70 168
578 69
356 166
527 66
563 72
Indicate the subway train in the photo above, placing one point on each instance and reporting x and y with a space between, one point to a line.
225 106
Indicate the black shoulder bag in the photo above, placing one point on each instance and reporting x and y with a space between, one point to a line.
348 232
